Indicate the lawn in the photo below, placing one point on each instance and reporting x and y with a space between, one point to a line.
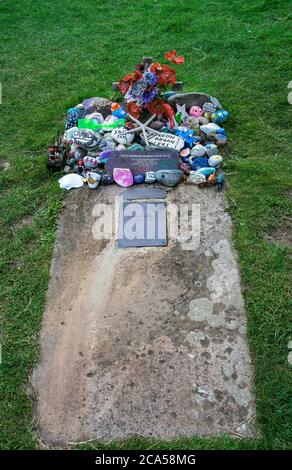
53 55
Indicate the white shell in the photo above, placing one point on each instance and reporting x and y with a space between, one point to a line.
71 181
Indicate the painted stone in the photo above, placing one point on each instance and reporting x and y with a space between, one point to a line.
185 152
107 143
150 177
109 120
215 102
196 111
156 125
138 179
77 152
207 171
120 147
123 177
136 147
211 149
185 167
97 104
86 138
72 118
208 116
192 122
199 162
203 120
169 178
195 178
90 162
210 128
198 150
121 136
107 179
165 140
220 116
209 107
215 161
97 117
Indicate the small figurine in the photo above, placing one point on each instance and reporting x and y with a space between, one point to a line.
196 111
219 181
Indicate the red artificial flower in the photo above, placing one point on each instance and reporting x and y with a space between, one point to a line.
134 109
172 57
125 83
159 107
166 75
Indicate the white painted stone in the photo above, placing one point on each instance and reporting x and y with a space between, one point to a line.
121 136
165 140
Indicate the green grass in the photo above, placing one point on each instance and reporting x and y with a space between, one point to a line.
54 54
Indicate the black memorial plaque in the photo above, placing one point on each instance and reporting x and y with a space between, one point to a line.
141 161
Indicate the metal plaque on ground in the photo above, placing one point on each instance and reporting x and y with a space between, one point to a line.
142 224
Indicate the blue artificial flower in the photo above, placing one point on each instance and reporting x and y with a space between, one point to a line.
149 95
150 78
138 88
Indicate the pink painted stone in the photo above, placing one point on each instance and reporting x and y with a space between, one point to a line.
123 177
196 111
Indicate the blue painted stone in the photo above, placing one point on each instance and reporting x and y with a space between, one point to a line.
206 171
199 162
138 179
220 116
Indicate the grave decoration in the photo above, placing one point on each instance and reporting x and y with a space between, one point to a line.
153 133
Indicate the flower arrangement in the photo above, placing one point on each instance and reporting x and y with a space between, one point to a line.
143 89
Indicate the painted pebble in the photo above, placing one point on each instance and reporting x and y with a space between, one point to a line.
215 161
169 178
123 177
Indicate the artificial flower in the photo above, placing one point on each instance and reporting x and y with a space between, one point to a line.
149 95
172 57
150 78
166 75
159 107
125 83
134 109
138 88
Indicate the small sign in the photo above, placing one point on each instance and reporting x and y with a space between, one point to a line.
141 161
165 140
